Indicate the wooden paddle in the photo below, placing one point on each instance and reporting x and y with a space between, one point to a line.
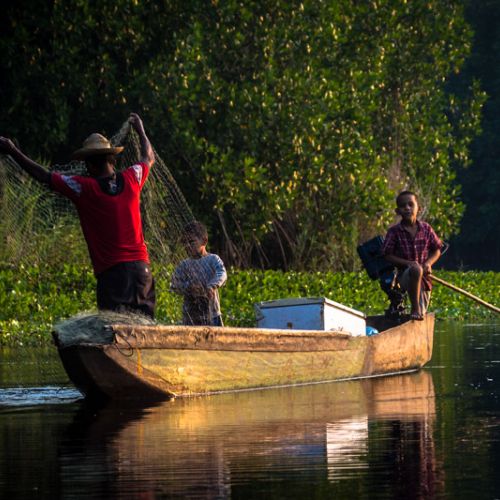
467 294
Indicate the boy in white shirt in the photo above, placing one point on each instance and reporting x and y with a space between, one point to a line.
198 278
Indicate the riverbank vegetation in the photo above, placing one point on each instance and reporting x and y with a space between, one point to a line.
33 299
289 126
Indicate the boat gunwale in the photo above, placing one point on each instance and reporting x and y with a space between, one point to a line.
185 337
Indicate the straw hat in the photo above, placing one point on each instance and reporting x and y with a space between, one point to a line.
95 144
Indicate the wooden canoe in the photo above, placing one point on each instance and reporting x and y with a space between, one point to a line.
155 362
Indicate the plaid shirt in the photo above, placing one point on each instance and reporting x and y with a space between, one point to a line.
399 242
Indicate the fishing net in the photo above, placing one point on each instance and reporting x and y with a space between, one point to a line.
39 227
164 209
93 328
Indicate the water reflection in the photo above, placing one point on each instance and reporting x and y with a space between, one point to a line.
433 434
225 445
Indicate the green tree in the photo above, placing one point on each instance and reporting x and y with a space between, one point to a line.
308 117
289 125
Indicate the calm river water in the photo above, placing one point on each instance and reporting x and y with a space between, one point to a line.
432 434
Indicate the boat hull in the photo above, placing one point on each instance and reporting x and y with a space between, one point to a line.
160 362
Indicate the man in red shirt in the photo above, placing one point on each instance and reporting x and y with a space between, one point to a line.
108 205
413 246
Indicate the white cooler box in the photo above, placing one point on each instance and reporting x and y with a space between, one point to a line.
310 314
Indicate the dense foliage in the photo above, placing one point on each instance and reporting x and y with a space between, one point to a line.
30 302
289 125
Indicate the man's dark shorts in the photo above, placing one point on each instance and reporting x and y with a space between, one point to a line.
128 286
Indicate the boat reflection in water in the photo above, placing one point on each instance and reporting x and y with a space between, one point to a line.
262 442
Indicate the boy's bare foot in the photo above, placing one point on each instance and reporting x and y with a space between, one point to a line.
416 316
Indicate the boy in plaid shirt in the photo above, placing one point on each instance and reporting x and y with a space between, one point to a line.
413 246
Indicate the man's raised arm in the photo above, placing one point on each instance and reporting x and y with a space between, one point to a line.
27 164
147 154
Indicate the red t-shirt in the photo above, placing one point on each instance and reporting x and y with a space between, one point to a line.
111 224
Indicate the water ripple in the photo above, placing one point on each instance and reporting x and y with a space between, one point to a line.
34 396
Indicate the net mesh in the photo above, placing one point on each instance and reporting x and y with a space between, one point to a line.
39 227
92 328
38 224
164 209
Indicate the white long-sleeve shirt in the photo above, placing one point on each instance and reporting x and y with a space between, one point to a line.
208 272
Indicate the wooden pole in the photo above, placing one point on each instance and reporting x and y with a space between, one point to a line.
467 294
